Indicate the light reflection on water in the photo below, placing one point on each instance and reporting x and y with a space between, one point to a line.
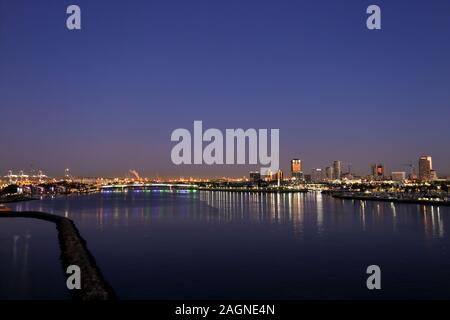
29 255
256 245
20 247
321 209
293 209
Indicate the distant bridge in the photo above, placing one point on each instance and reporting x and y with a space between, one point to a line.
150 187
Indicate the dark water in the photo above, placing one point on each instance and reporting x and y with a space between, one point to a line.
29 260
234 245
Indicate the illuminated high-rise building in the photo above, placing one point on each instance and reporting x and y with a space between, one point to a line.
329 173
425 168
378 171
296 169
296 166
337 170
279 177
67 175
316 175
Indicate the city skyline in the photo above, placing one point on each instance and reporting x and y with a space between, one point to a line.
423 171
105 99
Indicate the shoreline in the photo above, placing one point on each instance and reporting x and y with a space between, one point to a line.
394 200
21 199
254 191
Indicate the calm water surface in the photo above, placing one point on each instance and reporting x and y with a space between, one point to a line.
234 245
29 260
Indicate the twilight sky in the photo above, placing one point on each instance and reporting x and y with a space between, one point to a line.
105 99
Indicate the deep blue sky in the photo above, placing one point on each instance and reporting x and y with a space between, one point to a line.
105 99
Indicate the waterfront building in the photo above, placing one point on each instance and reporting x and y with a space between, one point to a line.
347 176
378 171
255 176
433 175
279 177
296 169
316 175
425 168
337 170
269 176
399 176
329 173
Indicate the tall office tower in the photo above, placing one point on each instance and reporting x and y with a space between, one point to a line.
378 171
316 175
296 169
67 175
329 173
337 169
425 167
279 177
